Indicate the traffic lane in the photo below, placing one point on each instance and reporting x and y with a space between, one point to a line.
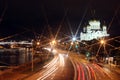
90 71
60 68
65 72
48 68
52 69
113 74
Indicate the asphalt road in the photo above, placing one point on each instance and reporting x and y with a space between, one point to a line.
60 68
73 66
91 71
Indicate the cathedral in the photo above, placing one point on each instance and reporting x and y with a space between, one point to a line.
93 31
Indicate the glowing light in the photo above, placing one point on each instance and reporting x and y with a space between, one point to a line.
38 43
61 60
71 43
54 51
74 39
53 42
93 31
49 49
102 41
50 69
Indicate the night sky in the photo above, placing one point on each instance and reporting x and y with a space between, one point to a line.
17 16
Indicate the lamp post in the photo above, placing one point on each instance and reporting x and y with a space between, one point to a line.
32 59
34 45
102 43
52 44
32 54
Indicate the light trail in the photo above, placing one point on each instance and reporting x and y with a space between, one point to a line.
83 73
48 73
52 67
91 71
78 72
98 50
51 63
89 74
100 69
62 63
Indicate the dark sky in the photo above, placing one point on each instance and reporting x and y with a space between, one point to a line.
19 15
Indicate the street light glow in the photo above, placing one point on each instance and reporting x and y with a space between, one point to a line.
71 43
53 42
74 39
102 41
38 43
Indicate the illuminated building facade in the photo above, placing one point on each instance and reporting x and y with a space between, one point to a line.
93 31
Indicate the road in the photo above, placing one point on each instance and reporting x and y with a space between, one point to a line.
60 68
91 71
73 66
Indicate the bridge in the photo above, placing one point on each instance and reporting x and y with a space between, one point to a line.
14 42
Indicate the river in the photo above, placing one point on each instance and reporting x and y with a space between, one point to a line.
15 56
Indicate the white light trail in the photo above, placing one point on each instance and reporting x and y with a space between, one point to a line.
48 73
61 60
52 67
51 63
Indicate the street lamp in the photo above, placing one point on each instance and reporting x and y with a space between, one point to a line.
52 43
74 39
71 43
38 43
102 41
34 46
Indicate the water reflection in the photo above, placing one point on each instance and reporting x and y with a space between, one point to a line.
12 57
